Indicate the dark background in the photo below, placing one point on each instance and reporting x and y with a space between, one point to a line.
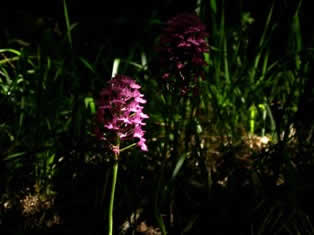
124 23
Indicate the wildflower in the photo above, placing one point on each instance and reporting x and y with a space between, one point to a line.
120 112
182 45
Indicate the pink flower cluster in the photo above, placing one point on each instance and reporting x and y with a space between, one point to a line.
182 45
120 111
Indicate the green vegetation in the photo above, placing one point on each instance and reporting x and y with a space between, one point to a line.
232 154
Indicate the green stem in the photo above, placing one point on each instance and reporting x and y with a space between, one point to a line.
127 147
114 180
113 188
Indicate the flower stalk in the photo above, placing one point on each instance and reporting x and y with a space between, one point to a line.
119 118
113 188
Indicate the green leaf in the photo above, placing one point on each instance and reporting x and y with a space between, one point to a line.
213 6
178 166
67 22
89 102
13 156
87 64
115 67
10 50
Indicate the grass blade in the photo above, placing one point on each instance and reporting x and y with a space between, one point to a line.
67 22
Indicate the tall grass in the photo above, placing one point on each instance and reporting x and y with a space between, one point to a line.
203 169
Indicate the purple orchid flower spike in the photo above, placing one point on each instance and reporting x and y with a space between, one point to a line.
120 111
182 47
